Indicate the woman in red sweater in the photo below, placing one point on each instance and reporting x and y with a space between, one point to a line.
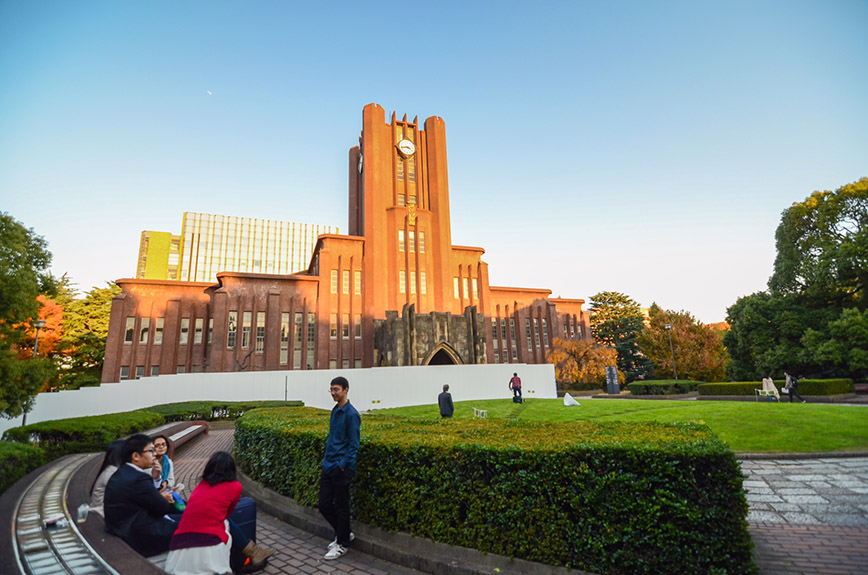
201 544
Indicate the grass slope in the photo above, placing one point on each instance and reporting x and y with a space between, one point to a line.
747 427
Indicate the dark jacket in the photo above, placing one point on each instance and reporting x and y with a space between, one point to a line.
134 512
446 407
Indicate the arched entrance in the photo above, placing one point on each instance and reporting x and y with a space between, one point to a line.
443 354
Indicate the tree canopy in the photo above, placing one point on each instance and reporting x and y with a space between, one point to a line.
810 319
24 262
617 321
581 361
699 351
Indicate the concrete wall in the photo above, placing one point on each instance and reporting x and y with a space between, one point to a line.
374 388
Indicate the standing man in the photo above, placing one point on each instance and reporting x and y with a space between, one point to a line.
134 509
445 402
515 386
339 467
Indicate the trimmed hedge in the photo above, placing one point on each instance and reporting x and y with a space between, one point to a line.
806 387
213 410
663 386
83 434
16 461
604 497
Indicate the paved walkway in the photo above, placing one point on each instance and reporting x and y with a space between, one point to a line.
807 516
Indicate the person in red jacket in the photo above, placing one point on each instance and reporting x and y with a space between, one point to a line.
515 386
202 541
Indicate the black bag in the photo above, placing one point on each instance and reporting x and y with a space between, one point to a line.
516 399
244 516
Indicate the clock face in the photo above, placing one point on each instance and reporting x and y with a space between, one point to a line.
407 148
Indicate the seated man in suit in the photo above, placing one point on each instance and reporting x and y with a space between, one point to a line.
134 509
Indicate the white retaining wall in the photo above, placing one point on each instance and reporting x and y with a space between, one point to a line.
374 388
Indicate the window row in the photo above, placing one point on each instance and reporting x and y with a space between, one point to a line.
345 326
464 284
413 245
184 333
345 284
402 282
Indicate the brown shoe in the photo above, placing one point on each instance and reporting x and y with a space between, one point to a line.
258 556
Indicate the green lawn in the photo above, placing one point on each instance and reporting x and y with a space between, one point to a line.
747 426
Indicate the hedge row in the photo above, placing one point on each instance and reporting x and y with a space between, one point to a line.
806 387
16 461
604 497
663 386
213 410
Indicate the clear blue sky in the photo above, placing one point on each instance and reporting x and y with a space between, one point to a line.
641 147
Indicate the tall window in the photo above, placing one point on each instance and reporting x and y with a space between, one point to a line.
357 282
400 240
358 326
334 282
402 281
260 331
125 372
210 328
527 333
421 242
536 331
512 328
130 331
475 289
464 285
412 241
455 288
197 330
143 330
232 329
345 326
284 337
158 331
296 346
494 331
245 329
311 338
346 282
545 328
423 283
503 328
333 326
412 282
185 330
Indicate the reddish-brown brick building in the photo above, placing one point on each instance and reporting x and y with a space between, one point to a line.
395 291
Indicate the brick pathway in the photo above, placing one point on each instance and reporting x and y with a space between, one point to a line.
298 552
806 516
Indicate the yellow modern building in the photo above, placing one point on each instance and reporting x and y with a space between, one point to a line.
211 243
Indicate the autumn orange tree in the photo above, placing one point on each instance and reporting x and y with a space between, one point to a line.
582 361
699 351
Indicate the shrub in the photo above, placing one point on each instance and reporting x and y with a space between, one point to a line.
604 497
83 434
16 461
211 410
662 386
806 387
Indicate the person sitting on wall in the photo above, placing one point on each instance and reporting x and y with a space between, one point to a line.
163 470
134 509
111 462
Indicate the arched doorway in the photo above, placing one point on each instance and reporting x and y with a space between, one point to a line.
443 354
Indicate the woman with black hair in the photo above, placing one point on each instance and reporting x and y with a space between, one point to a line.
202 543
110 463
163 471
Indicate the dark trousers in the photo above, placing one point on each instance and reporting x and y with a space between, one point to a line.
796 393
516 392
334 501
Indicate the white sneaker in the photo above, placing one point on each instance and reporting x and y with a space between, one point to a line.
335 542
337 551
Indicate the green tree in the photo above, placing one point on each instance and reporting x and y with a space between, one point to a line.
822 248
699 351
82 347
617 321
24 262
844 349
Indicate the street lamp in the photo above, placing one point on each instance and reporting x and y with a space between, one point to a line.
668 327
38 324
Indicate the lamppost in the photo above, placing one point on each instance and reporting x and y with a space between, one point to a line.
38 324
668 327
